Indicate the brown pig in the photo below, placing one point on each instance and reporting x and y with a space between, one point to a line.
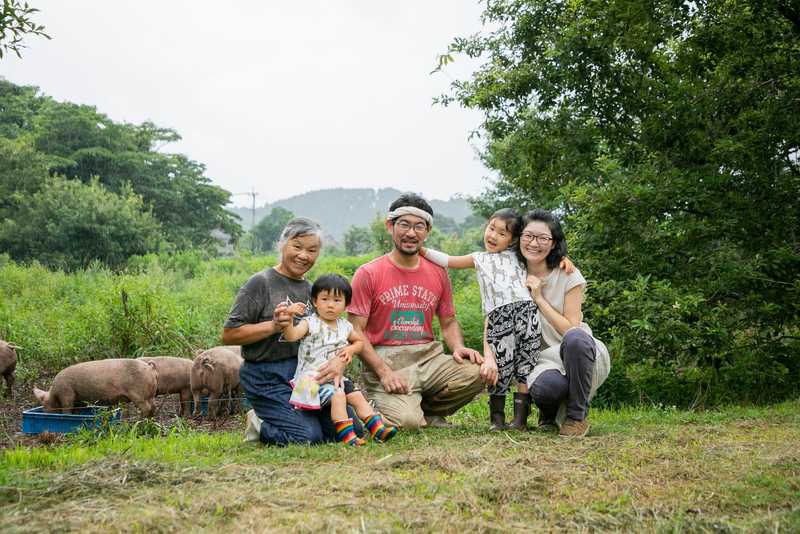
173 377
8 363
103 381
215 373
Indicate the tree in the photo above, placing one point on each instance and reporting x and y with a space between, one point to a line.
381 240
357 241
22 172
68 225
16 23
80 143
664 132
268 230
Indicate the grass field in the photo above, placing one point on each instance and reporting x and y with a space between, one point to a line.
736 469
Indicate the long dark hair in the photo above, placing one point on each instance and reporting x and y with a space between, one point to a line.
560 242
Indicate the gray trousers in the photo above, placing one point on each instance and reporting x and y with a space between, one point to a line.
551 388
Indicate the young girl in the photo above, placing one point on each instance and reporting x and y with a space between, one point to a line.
512 335
325 335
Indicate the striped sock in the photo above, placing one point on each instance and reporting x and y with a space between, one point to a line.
346 434
378 430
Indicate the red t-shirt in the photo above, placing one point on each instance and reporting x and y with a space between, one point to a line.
399 303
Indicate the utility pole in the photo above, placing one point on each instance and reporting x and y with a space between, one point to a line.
252 194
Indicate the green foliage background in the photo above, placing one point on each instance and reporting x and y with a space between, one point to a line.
665 135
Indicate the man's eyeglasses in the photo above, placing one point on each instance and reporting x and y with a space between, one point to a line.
541 239
405 226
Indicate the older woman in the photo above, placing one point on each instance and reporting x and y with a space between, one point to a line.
573 364
256 321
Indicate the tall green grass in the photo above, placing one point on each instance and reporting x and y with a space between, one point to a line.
161 305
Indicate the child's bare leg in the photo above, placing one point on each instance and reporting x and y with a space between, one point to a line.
339 406
360 405
522 387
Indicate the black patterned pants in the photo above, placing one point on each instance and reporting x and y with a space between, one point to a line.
514 334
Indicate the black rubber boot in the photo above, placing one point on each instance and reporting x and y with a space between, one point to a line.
497 412
522 409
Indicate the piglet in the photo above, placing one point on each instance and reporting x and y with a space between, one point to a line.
215 373
173 377
8 363
102 381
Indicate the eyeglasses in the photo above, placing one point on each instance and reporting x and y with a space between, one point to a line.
541 239
405 226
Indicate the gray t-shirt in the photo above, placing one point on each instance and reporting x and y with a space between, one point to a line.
256 302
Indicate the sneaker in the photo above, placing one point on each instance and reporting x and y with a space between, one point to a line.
252 430
438 421
574 429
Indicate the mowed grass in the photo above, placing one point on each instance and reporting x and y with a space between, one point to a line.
735 469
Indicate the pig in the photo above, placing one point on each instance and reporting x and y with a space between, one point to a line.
215 373
103 381
233 348
8 363
173 377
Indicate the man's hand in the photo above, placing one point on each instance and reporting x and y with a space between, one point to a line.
394 383
488 371
466 353
331 371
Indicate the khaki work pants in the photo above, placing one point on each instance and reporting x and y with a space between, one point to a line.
438 384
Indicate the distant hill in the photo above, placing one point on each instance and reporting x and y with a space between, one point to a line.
338 209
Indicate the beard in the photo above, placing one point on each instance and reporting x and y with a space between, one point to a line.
408 252
399 246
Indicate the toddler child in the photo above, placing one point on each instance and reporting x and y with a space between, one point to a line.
325 335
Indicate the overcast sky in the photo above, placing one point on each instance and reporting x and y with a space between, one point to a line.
282 97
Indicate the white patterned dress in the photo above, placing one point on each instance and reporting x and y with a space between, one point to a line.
513 329
316 348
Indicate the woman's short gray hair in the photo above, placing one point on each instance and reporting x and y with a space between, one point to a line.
299 227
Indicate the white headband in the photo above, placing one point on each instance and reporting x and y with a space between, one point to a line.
410 210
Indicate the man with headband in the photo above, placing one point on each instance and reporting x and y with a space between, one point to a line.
408 375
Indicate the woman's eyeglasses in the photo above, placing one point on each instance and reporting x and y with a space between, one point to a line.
541 239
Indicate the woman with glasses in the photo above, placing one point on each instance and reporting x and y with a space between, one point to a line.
572 363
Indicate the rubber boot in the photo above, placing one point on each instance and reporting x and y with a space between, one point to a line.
522 409
497 412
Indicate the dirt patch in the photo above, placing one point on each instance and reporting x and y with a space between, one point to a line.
166 415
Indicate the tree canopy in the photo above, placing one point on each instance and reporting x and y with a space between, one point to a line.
40 137
666 135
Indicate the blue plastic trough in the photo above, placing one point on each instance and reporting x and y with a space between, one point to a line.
36 420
